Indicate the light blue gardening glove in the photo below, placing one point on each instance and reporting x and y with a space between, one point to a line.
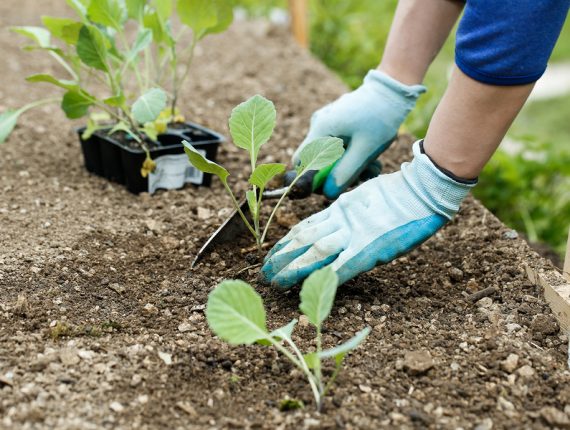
368 120
373 224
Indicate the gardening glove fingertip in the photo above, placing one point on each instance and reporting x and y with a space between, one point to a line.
353 162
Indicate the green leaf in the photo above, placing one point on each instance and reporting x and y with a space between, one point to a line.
251 202
62 83
284 332
340 351
320 153
8 121
152 22
80 6
265 173
164 9
150 130
110 13
115 101
135 8
312 360
40 35
317 295
149 105
235 313
199 15
63 28
76 104
204 165
121 126
92 47
225 16
91 128
143 40
252 123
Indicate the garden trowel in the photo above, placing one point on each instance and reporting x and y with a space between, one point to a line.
310 182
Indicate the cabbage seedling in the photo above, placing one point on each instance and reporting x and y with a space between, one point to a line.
236 314
251 125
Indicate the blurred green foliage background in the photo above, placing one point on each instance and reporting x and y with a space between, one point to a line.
528 188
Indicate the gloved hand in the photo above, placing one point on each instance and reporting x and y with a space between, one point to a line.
375 223
367 119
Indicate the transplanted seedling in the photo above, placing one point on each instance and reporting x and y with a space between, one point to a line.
251 125
139 77
236 314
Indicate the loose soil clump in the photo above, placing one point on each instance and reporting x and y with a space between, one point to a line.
102 321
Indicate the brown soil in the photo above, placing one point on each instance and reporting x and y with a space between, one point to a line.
97 287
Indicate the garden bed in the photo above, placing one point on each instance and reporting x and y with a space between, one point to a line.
101 318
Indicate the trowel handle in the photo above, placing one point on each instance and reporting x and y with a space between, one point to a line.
311 182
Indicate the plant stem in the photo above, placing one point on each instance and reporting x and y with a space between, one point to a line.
300 363
179 81
278 204
39 103
131 64
236 205
318 372
256 216
64 64
332 379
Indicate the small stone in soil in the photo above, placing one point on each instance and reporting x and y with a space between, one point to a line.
526 371
150 309
136 380
486 424
68 356
184 327
167 358
455 274
418 362
555 417
119 289
204 213
116 407
187 407
510 363
485 302
303 321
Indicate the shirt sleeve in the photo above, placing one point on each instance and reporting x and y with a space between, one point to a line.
508 42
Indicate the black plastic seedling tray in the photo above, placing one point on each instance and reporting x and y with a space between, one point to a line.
121 163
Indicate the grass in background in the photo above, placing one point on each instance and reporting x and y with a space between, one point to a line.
530 195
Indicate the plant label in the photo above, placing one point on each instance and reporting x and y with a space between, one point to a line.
172 172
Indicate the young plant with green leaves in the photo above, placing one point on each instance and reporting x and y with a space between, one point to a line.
251 126
101 60
236 314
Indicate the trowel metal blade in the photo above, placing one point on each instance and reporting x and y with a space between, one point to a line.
226 232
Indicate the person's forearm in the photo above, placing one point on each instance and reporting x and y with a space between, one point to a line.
419 30
470 122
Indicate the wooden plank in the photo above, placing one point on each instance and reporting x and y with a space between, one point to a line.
557 296
567 259
300 21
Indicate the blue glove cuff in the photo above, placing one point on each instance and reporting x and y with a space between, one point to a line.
437 190
383 83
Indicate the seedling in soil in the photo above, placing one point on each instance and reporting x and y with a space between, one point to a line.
236 314
101 62
251 125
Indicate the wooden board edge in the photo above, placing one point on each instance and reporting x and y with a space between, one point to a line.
557 296
566 270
